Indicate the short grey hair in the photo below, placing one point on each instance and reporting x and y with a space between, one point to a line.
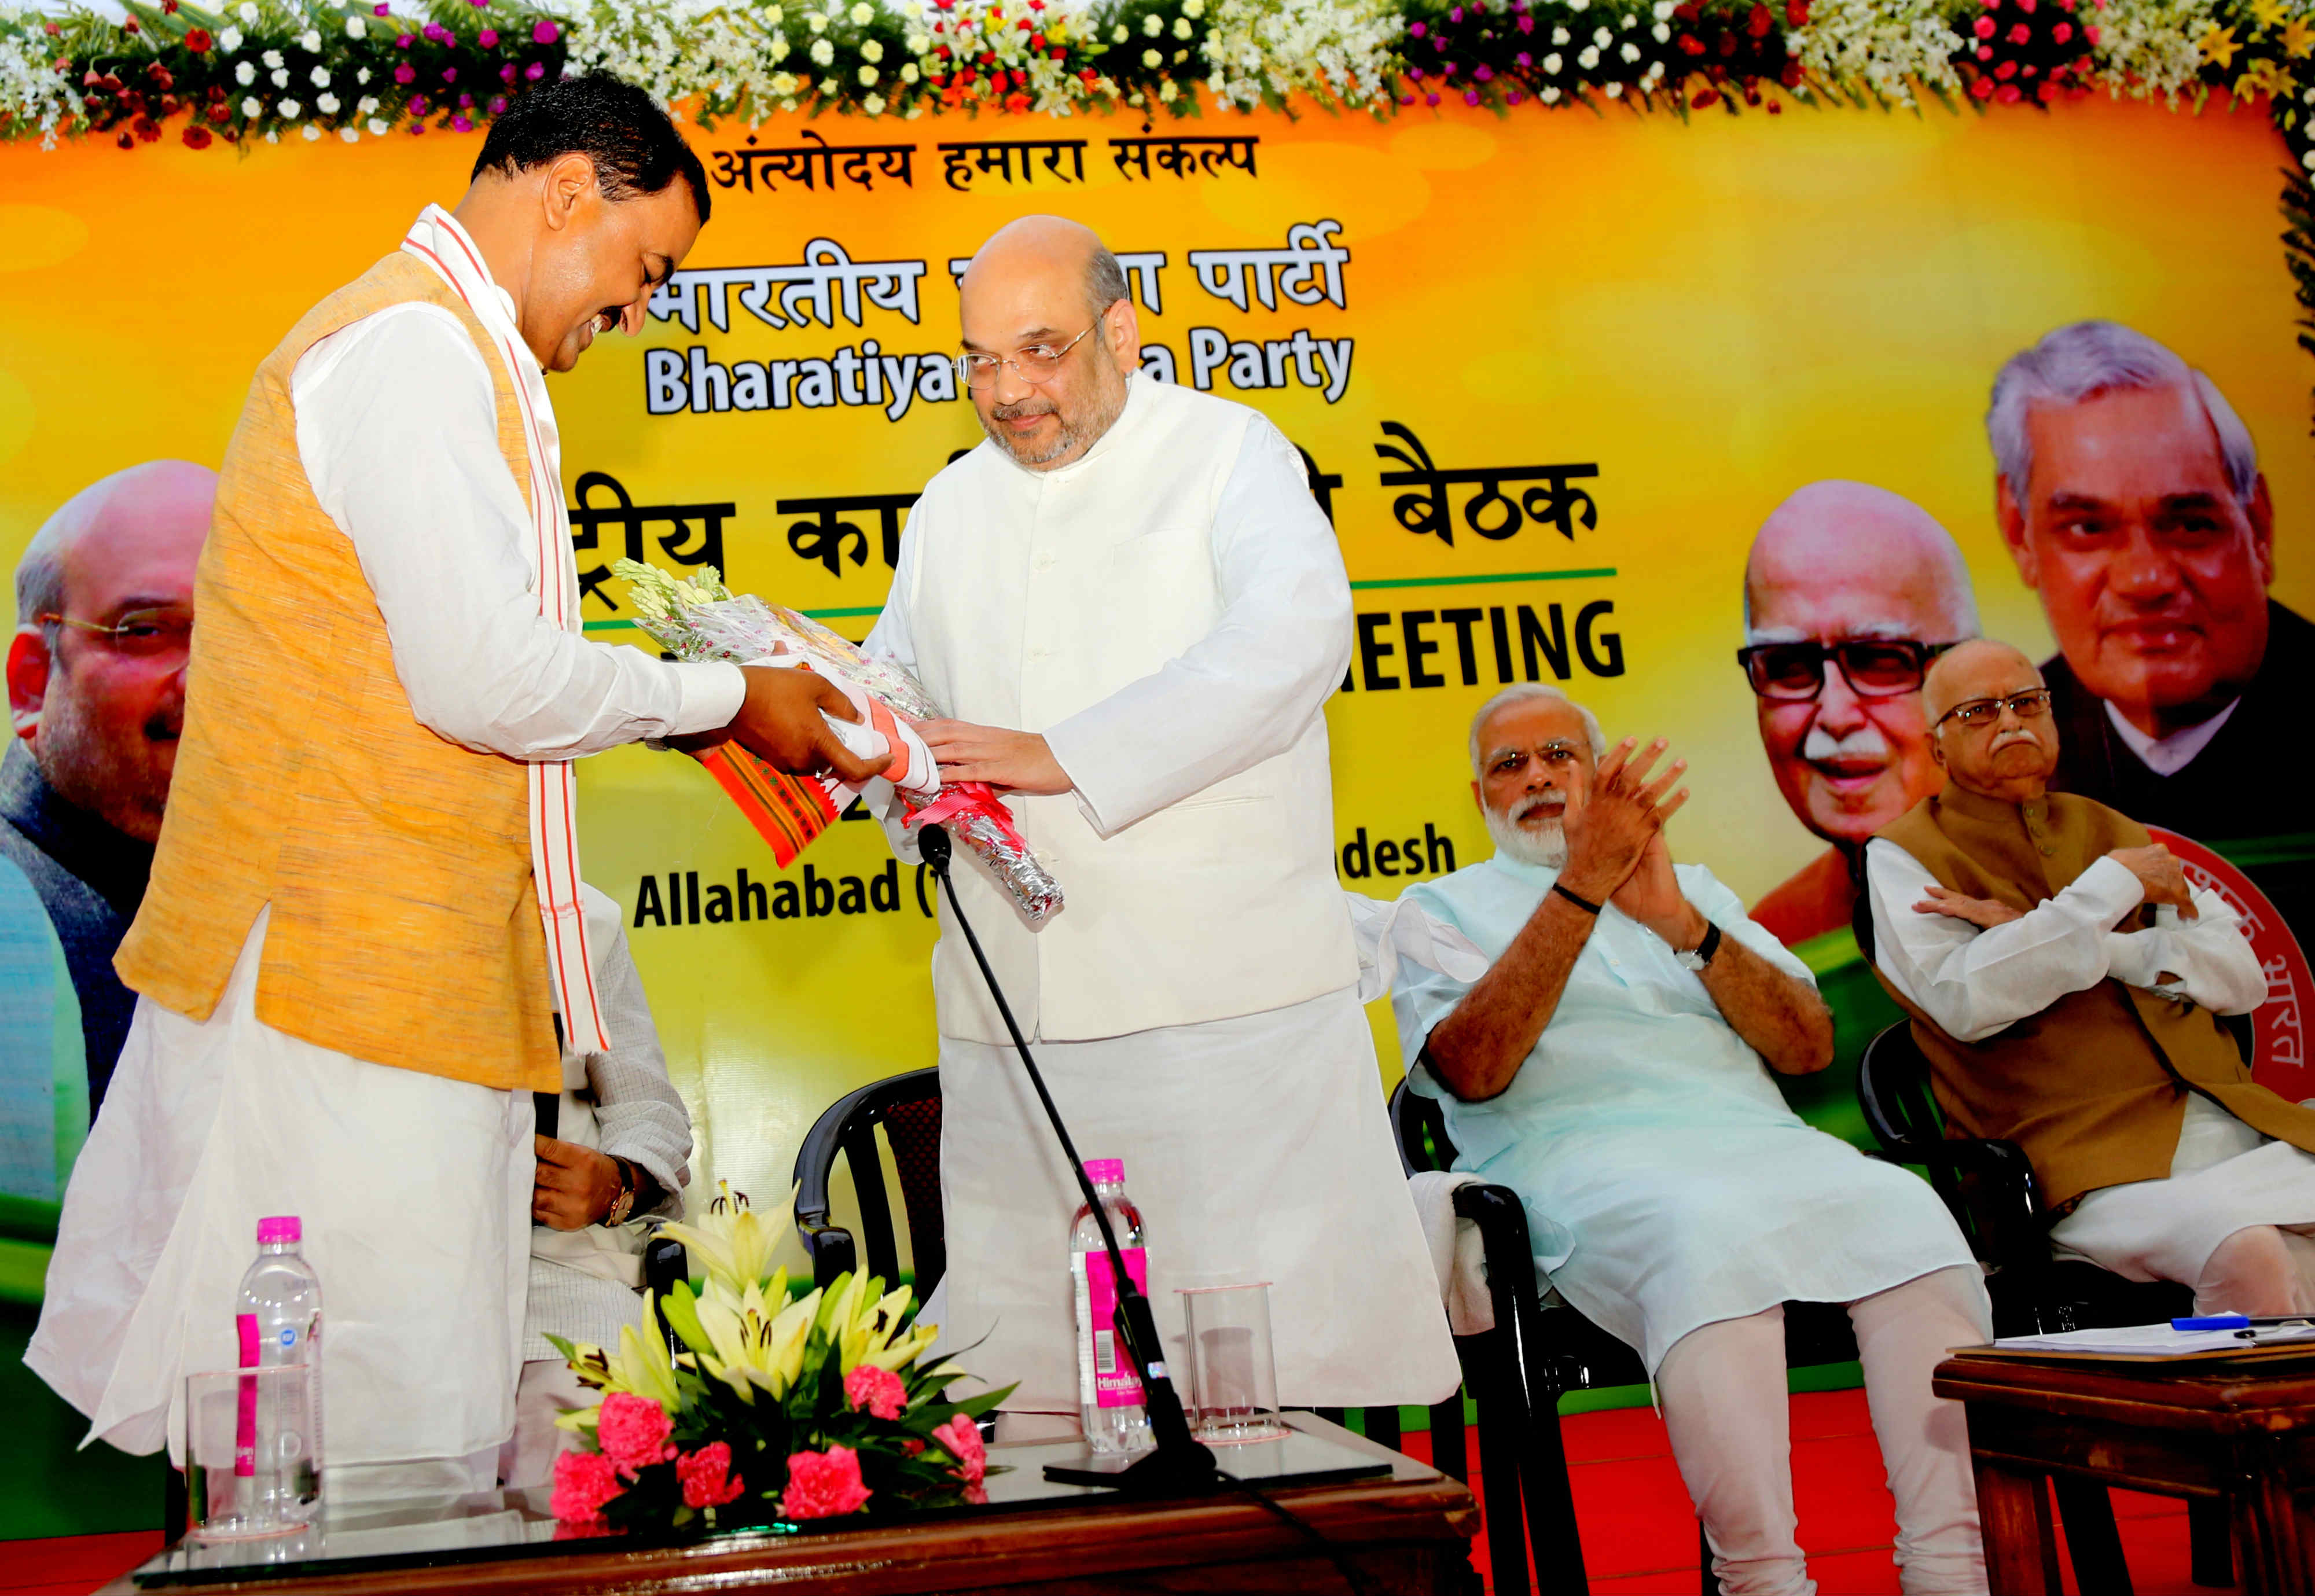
2083 359
40 578
1105 281
1519 693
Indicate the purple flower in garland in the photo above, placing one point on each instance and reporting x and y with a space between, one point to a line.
535 71
1456 15
1527 24
378 10
405 41
497 104
543 32
459 124
465 102
1416 29
405 73
1470 96
488 39
1484 73
506 73
1524 60
449 75
417 105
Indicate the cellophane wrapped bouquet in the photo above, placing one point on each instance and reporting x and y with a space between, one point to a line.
697 617
777 1410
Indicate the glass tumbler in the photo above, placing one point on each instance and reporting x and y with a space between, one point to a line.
250 1469
1233 1373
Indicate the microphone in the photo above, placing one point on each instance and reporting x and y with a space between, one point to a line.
1180 1462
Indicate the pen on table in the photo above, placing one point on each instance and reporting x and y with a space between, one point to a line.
2240 1322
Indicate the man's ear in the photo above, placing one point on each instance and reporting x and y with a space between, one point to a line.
2261 511
28 660
1938 750
1121 331
570 184
1479 800
2009 515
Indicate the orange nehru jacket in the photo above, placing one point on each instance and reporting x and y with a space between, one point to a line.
406 926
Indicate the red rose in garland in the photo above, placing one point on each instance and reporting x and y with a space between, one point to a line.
2034 50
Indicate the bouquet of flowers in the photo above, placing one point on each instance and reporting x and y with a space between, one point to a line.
777 1410
699 618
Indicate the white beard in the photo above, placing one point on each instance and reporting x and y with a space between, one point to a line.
1545 846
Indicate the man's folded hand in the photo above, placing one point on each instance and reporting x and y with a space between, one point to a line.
779 722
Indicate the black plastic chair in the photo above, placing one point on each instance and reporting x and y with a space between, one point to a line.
1538 1351
1991 1188
908 1107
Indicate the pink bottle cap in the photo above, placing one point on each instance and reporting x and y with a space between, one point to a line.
1105 1172
280 1229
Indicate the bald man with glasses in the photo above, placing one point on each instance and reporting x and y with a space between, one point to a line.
2065 984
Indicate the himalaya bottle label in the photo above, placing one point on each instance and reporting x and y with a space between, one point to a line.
1115 1383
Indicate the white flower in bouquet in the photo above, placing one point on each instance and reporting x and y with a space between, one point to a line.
229 40
327 104
356 28
310 40
244 74
290 109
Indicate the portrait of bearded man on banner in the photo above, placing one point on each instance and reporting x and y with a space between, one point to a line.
1850 591
96 698
2130 496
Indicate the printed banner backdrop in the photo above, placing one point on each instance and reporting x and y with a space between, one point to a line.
1551 373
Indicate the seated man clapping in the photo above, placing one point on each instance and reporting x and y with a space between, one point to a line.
1612 1068
2063 981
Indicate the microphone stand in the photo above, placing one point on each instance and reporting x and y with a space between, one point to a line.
1180 1462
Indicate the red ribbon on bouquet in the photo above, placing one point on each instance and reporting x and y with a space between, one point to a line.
974 797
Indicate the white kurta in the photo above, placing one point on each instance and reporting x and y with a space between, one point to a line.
415 1190
1171 611
2224 1176
1667 1183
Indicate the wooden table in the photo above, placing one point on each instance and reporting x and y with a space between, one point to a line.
1407 1534
2240 1429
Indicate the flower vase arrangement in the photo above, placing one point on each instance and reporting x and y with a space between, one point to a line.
777 1410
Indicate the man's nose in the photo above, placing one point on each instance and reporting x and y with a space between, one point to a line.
2142 571
1010 387
1838 710
630 320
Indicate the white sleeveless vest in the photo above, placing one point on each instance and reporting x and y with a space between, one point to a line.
1038 594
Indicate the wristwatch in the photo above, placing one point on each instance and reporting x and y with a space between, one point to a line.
624 1202
1696 958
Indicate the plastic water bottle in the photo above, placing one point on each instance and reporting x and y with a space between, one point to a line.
1109 1392
279 1319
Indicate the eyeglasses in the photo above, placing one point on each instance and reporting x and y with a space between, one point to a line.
140 634
1036 364
1873 667
2030 704
1556 754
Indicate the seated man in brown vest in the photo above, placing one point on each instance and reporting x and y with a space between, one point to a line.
2065 984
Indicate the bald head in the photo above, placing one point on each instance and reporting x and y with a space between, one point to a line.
96 671
1056 252
1983 668
1868 560
1044 308
159 506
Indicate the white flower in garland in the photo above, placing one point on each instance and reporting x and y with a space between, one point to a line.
246 13
378 127
310 40
874 105
1181 29
872 50
290 108
351 135
327 104
33 92
867 76
251 106
822 52
1587 57
1264 51
1881 48
356 28
279 78
273 59
319 77
244 74
229 40
310 131
1553 62
2146 48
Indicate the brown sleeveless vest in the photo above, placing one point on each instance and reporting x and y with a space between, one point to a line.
406 926
2094 1086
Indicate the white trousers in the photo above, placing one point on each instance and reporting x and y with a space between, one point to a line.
1724 1404
548 1388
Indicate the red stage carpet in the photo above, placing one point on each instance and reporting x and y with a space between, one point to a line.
1639 1535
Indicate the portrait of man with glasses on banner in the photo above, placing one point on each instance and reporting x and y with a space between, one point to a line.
1134 612
96 699
1849 593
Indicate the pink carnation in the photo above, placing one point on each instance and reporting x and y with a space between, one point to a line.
583 1483
632 1432
706 1475
823 1484
961 1437
877 1390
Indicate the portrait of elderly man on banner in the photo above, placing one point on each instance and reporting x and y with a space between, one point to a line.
1849 593
2129 495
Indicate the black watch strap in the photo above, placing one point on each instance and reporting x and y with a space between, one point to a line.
1709 946
1585 904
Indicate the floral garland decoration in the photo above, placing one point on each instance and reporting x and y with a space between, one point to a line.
269 69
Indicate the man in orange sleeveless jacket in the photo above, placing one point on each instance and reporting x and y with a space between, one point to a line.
365 907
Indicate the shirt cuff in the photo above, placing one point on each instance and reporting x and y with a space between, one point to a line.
1072 763
711 693
2134 958
2109 891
